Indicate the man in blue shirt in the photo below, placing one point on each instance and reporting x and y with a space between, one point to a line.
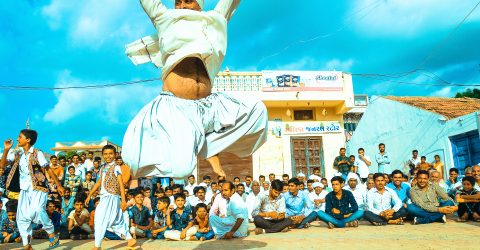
341 209
383 159
299 206
401 188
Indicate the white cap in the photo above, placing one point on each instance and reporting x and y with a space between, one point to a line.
300 175
352 176
317 184
203 184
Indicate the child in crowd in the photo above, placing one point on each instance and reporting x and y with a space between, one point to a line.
9 229
140 218
110 209
204 231
78 221
3 212
179 220
159 193
72 181
88 183
468 207
160 218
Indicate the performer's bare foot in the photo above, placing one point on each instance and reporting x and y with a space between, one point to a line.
216 167
131 242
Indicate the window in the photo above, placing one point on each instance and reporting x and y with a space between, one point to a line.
360 100
303 115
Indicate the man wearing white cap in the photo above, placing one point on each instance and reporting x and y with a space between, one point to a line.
187 120
318 196
358 190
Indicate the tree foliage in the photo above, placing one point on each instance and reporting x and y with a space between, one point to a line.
472 93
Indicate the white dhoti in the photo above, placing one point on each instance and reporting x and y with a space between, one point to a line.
31 209
175 234
109 214
166 136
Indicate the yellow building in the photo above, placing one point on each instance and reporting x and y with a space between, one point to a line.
305 112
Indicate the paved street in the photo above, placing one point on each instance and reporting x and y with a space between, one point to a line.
452 235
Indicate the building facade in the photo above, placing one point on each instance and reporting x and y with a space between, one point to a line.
447 127
82 146
306 120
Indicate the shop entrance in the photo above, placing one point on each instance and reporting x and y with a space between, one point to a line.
307 154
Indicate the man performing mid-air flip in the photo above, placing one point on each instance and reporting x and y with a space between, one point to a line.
187 120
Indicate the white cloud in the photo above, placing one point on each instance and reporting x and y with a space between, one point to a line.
336 64
93 23
408 18
111 105
444 92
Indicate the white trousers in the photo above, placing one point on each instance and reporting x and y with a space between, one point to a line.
109 214
31 209
175 234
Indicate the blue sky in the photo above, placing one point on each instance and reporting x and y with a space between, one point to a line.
64 43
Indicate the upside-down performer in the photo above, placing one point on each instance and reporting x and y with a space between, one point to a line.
187 120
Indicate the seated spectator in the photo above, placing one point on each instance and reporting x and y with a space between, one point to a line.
316 175
424 165
271 177
191 185
198 198
241 191
370 184
207 180
401 188
299 207
266 186
318 197
358 191
67 205
179 220
252 199
435 177
140 218
453 183
325 185
160 218
425 206
54 215
383 205
248 184
284 188
309 186
200 221
9 228
72 181
159 193
341 209
469 201
270 210
235 223
285 178
78 221
3 212
236 181
219 205
301 179
88 183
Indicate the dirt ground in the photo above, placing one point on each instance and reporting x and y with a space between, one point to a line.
451 235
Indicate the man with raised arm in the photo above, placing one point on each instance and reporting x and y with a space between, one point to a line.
187 120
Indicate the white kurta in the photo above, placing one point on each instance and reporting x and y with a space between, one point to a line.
236 209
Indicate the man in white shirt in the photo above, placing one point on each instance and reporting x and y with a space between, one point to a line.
318 196
358 190
383 204
252 199
80 169
363 163
191 185
316 175
414 161
88 161
248 184
199 197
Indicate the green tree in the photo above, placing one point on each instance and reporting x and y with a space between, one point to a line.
68 154
472 93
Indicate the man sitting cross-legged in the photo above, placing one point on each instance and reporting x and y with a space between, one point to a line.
426 207
383 204
269 211
299 207
341 209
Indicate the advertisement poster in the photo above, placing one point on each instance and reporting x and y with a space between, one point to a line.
302 81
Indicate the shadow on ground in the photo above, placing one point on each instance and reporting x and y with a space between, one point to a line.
232 244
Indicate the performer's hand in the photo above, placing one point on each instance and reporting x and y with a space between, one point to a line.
123 205
60 190
228 235
7 145
87 200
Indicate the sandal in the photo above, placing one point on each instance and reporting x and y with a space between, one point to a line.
54 242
